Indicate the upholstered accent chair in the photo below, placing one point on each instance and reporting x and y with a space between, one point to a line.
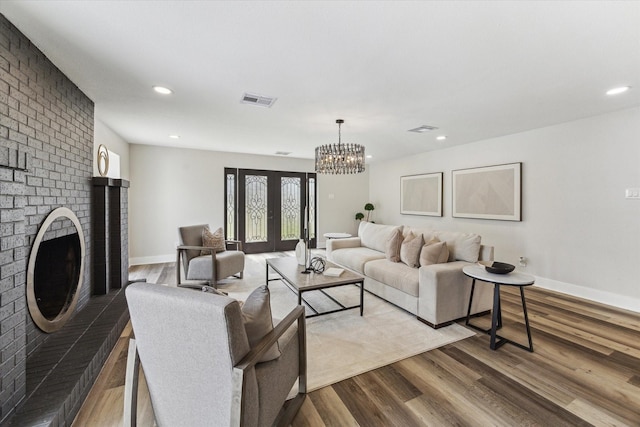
214 265
199 366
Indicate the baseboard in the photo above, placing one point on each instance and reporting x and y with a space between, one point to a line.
616 300
158 259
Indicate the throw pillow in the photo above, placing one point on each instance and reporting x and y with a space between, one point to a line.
392 251
434 252
410 250
213 240
256 313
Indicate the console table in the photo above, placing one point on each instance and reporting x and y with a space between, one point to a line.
515 278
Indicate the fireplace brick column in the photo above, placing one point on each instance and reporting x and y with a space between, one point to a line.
110 234
12 280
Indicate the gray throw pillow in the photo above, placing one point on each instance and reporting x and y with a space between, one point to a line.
213 240
410 250
256 313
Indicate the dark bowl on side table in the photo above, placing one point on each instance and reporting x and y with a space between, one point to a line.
499 267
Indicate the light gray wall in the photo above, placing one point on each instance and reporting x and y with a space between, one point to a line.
171 187
340 197
102 134
579 233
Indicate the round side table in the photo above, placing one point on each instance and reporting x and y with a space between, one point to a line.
336 235
477 272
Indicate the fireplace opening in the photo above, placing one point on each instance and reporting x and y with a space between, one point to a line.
54 274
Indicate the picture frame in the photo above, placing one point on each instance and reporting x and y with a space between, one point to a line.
489 192
421 194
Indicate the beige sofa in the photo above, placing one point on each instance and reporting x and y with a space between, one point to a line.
437 294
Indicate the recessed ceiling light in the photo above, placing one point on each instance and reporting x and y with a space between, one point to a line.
618 90
423 128
174 136
369 156
441 137
163 90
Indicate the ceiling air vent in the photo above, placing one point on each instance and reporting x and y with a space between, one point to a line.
283 153
261 101
423 128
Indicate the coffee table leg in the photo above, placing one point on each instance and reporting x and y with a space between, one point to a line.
495 315
361 298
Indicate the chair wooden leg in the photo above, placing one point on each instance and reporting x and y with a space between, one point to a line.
131 386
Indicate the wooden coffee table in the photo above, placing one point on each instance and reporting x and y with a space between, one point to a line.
291 274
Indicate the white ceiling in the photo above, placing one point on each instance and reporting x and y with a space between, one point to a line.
473 69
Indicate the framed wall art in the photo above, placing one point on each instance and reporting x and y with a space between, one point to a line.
421 194
491 192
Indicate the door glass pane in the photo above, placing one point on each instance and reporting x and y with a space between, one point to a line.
290 216
312 208
255 208
231 206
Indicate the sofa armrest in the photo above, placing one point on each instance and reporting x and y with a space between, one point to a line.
350 242
444 293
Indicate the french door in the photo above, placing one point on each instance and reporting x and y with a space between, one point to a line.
266 209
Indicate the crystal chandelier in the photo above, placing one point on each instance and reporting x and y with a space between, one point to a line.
340 158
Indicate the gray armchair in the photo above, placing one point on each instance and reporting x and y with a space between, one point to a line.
199 367
209 268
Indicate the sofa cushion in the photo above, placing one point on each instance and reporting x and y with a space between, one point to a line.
410 250
392 252
375 236
355 258
395 274
462 246
434 252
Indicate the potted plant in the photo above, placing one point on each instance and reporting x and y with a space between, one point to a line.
359 216
368 207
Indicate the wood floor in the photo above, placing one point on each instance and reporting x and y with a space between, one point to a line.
585 371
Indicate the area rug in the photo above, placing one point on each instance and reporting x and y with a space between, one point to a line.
343 344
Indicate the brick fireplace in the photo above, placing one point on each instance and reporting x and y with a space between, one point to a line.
46 162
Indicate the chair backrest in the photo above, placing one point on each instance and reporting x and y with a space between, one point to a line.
191 236
188 343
